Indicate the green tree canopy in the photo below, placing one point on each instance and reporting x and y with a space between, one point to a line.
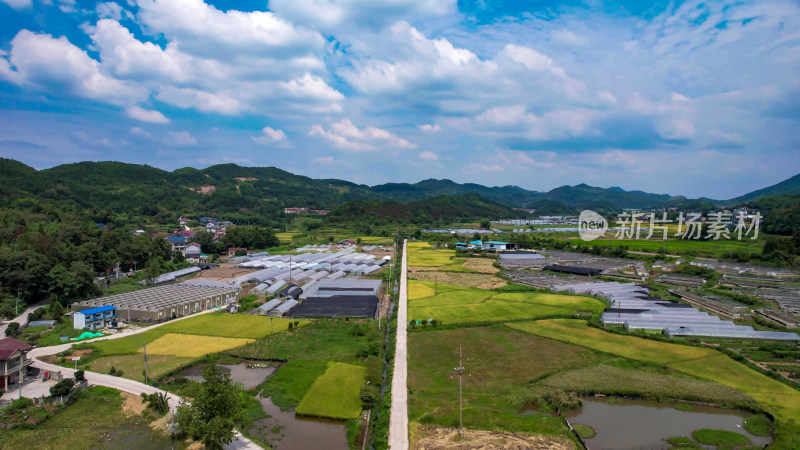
215 410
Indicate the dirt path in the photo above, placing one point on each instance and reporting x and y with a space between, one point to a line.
429 438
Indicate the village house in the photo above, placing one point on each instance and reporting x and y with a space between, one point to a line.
14 362
94 318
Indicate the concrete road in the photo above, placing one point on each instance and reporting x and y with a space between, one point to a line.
398 418
123 384
20 319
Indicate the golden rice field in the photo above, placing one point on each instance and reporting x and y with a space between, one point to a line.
774 396
192 346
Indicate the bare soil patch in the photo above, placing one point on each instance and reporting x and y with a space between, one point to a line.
81 353
132 405
224 272
428 438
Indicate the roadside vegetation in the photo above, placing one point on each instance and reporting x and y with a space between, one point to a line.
96 416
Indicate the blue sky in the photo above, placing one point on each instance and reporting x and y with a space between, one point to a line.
685 98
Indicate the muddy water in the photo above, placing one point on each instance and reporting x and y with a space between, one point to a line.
250 378
635 423
285 431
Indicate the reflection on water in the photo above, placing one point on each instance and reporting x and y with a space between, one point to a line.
297 433
634 423
240 373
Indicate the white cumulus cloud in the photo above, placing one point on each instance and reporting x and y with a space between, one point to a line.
146 115
346 136
18 4
271 136
428 156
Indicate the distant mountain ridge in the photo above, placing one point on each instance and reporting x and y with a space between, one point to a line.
229 187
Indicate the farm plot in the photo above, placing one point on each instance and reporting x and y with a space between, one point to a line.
476 280
778 398
335 394
482 265
132 366
192 346
489 353
228 325
422 254
454 304
625 378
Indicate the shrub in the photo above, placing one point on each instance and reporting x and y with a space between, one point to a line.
369 395
370 349
63 387
12 330
158 401
79 376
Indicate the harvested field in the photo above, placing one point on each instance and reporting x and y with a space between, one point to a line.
192 346
428 438
481 265
476 280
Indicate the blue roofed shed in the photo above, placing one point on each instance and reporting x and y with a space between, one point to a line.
94 318
498 245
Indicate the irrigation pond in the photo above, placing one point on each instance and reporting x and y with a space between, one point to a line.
626 423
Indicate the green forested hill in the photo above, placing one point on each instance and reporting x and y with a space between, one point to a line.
789 186
111 191
441 209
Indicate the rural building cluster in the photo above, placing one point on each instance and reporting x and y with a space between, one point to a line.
159 303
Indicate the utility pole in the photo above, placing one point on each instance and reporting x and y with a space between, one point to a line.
146 378
460 369
16 304
290 269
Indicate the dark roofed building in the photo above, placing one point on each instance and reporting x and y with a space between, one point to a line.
13 362
337 306
572 270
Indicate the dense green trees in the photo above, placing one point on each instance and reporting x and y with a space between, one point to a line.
430 211
215 410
